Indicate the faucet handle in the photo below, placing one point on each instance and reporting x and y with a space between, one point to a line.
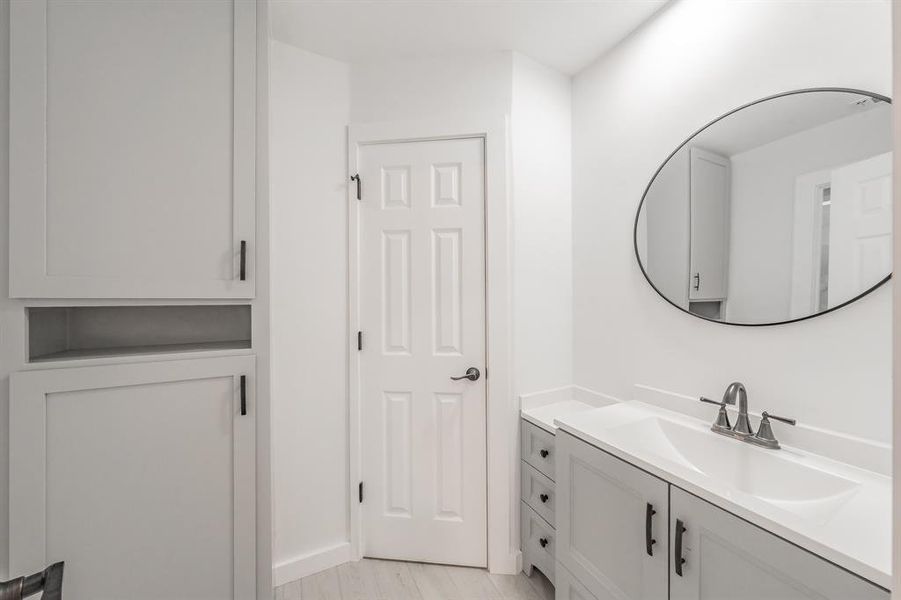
767 416
764 436
709 401
722 417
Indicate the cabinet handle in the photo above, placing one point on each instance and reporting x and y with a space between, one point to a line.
544 497
543 542
697 278
648 540
242 275
243 395
543 453
680 529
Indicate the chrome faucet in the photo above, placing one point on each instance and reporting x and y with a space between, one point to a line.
737 394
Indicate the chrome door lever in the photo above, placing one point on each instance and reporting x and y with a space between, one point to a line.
472 374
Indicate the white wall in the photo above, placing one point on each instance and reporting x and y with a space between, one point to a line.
310 104
424 88
698 59
541 127
763 202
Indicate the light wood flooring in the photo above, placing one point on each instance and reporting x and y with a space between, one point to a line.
371 579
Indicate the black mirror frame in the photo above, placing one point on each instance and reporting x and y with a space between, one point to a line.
691 137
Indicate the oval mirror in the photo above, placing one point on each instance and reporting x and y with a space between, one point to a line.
775 212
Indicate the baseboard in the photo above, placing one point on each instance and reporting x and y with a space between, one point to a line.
308 564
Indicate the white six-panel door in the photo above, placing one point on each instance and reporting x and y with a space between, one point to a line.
860 227
141 477
422 315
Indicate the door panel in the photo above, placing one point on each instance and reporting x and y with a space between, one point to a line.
860 227
710 193
726 557
132 145
140 477
422 291
602 533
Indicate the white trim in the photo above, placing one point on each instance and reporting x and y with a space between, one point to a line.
308 564
502 408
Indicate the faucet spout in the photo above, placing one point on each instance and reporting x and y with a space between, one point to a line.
737 394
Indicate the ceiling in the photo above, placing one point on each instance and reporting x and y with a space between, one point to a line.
773 120
567 35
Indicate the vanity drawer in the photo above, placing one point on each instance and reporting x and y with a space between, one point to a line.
538 542
538 492
538 448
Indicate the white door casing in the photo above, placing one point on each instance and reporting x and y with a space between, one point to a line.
710 192
140 476
422 317
132 149
860 227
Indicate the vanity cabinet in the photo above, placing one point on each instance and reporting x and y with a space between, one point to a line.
132 149
609 510
538 500
611 523
727 557
141 477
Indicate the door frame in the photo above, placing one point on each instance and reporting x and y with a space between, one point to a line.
501 409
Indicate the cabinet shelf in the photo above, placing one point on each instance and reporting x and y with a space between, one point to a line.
83 332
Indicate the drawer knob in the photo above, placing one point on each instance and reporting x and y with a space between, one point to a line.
543 542
543 453
544 497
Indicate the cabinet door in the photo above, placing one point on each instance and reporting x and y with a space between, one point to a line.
132 145
603 505
726 557
710 193
140 477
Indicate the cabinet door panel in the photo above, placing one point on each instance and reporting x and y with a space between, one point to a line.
139 476
710 201
601 523
132 148
726 557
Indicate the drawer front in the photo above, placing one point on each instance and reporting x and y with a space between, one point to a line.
538 492
567 587
538 448
538 541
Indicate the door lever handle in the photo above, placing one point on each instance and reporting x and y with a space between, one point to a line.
472 374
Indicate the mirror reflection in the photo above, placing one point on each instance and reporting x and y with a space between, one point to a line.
776 212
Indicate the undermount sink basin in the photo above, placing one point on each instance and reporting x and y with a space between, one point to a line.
765 474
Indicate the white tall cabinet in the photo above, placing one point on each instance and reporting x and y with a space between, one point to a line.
133 181
132 149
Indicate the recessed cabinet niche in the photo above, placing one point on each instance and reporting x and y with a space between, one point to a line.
77 332
132 145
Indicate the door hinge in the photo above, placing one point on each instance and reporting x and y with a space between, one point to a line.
357 179
361 492
359 340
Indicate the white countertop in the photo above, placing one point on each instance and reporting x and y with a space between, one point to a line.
850 528
543 416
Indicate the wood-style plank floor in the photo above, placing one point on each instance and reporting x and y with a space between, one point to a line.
371 579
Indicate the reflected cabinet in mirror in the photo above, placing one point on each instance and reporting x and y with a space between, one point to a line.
775 212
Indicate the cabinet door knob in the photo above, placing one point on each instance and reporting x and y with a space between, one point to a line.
544 497
543 453
543 542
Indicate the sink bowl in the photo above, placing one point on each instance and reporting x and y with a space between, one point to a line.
765 474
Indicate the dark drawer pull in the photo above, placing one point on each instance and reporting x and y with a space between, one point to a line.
544 498
543 542
543 453
648 541
679 561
